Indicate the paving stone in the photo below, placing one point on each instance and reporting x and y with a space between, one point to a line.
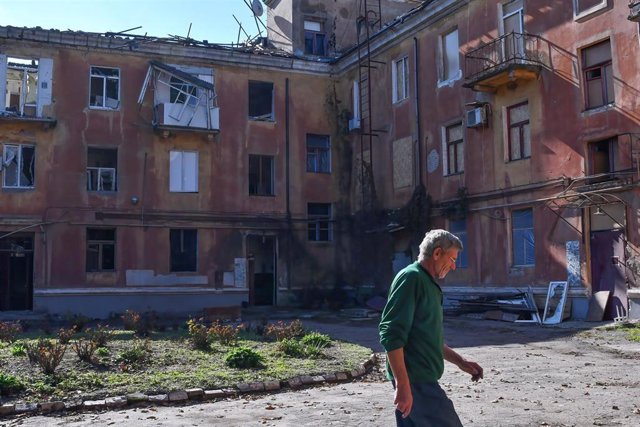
137 398
272 385
159 398
116 402
50 406
7 409
92 405
214 394
195 393
178 396
26 408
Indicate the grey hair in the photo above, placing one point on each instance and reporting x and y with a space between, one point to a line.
437 239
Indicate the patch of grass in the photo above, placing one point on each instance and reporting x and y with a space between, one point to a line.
169 363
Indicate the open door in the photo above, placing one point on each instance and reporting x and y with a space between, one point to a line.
607 270
261 256
16 273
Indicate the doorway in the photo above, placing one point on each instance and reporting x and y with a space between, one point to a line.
261 269
607 270
16 273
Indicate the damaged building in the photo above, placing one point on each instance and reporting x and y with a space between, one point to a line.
179 175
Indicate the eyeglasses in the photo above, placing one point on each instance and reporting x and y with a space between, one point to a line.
453 260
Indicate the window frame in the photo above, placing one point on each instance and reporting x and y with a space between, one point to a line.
320 226
514 229
105 79
182 189
182 92
602 66
319 47
101 244
579 14
463 260
521 132
192 259
255 189
20 166
404 79
445 77
260 117
317 165
447 145
99 170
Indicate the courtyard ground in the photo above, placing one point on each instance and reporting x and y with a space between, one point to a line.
573 374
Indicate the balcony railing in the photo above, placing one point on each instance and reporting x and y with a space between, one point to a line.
508 52
634 12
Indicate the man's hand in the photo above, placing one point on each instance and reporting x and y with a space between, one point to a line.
473 369
403 399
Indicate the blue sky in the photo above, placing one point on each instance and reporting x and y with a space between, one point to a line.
211 20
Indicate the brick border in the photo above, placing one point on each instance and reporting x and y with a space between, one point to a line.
188 395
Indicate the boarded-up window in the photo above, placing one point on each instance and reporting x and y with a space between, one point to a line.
183 171
522 238
403 163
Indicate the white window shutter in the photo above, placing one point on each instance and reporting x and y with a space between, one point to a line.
190 172
175 171
45 80
3 81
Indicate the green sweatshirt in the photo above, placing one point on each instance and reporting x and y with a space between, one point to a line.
412 319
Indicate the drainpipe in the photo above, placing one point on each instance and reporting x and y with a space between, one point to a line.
418 125
287 189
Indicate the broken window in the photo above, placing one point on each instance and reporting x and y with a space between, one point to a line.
184 249
522 238
183 171
314 38
598 74
25 85
519 131
18 166
604 159
261 101
459 229
320 227
450 56
260 175
105 88
454 140
318 154
102 166
101 249
400 78
182 92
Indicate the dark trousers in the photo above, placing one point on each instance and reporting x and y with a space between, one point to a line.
431 408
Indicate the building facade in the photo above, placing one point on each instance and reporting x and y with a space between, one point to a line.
177 175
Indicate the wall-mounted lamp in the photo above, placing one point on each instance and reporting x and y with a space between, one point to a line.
599 211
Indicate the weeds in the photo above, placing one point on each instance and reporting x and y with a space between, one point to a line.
101 335
243 357
85 349
18 349
9 384
47 354
281 330
199 334
225 334
137 355
316 339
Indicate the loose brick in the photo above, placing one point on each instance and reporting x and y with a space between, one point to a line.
94 405
214 394
178 396
195 393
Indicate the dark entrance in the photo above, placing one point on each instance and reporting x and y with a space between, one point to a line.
16 272
261 269
607 270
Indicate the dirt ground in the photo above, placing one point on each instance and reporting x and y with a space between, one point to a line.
573 374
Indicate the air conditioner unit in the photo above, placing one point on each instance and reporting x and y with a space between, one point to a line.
354 123
476 117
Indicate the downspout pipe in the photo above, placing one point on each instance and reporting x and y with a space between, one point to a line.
287 140
417 110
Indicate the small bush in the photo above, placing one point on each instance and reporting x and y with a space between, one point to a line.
9 331
47 354
18 349
198 334
131 320
101 335
138 354
102 352
291 347
65 335
243 357
85 349
9 384
225 334
281 330
316 339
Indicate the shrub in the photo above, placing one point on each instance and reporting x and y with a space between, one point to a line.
85 349
243 357
281 330
225 334
9 331
138 354
100 335
65 335
291 347
199 334
131 320
47 354
19 349
316 339
9 384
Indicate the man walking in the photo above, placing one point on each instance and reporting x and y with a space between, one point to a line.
411 332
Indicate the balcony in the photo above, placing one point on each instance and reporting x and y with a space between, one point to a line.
634 12
504 61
